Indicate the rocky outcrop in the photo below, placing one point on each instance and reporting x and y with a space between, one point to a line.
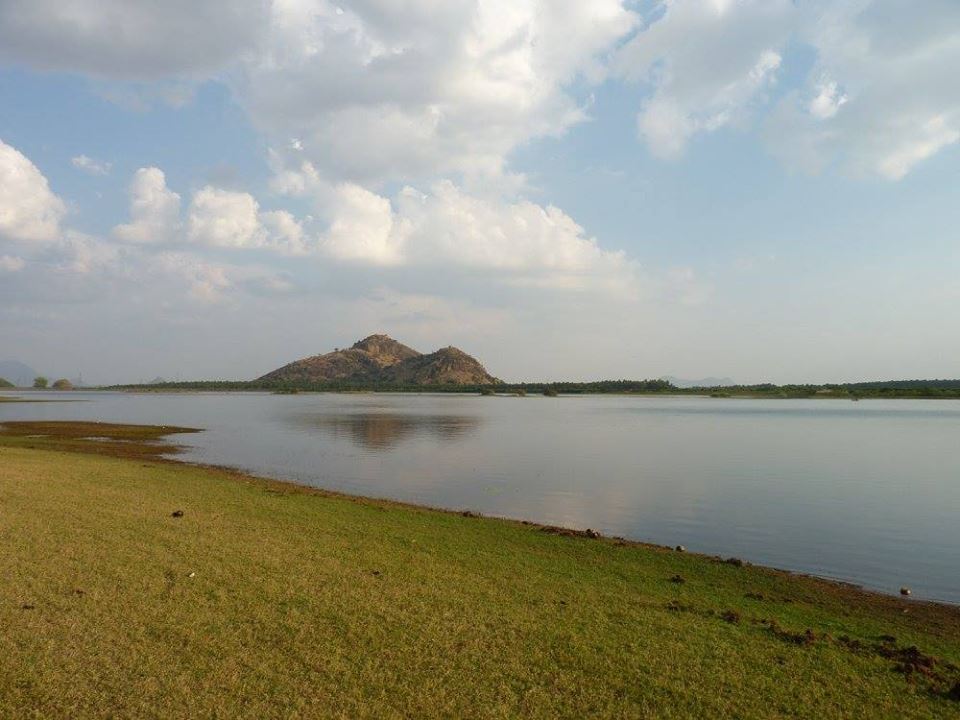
381 359
447 366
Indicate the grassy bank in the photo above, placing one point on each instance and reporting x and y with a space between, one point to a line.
269 600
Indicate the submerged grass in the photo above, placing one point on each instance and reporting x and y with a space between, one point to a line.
115 440
264 599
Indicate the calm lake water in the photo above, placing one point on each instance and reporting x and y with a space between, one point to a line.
867 492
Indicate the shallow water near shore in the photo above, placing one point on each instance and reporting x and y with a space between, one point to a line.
866 492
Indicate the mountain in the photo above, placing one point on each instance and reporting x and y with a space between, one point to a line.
381 359
449 365
16 372
706 382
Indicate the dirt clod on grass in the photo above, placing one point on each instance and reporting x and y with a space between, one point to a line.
730 616
807 637
570 532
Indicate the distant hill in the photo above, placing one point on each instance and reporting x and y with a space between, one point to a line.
16 372
707 382
381 359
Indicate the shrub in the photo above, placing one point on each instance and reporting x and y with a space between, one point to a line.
40 383
4 383
63 384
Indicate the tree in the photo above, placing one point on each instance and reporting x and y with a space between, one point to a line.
4 383
63 384
40 383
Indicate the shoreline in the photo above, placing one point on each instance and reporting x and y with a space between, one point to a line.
166 452
242 475
260 597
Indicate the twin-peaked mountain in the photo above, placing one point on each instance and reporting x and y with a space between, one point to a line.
382 360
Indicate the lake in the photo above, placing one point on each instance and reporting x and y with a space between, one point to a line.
867 492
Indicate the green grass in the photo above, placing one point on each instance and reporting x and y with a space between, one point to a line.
267 600
21 399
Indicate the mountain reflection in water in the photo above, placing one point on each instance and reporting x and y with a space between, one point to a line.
383 431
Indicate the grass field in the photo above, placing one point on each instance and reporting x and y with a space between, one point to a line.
266 600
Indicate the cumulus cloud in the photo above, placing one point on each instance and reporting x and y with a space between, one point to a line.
520 243
29 210
380 91
514 242
223 218
283 232
90 165
230 219
129 39
154 210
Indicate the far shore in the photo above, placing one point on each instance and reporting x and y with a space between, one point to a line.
498 391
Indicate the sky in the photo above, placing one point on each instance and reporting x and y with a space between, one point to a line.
766 190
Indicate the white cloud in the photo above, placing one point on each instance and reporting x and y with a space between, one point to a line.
405 91
900 102
519 243
364 228
91 166
223 218
707 62
284 233
880 98
11 264
129 39
214 282
828 100
29 210
154 210
924 137
83 254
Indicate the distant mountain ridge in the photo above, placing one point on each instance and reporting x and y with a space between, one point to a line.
16 372
381 359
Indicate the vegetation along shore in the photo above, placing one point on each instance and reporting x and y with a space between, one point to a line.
135 586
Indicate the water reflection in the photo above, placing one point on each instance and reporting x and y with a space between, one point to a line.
384 431
864 491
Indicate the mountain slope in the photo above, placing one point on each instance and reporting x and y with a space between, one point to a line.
447 366
17 373
381 359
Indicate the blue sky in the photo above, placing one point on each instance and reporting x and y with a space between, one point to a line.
760 190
